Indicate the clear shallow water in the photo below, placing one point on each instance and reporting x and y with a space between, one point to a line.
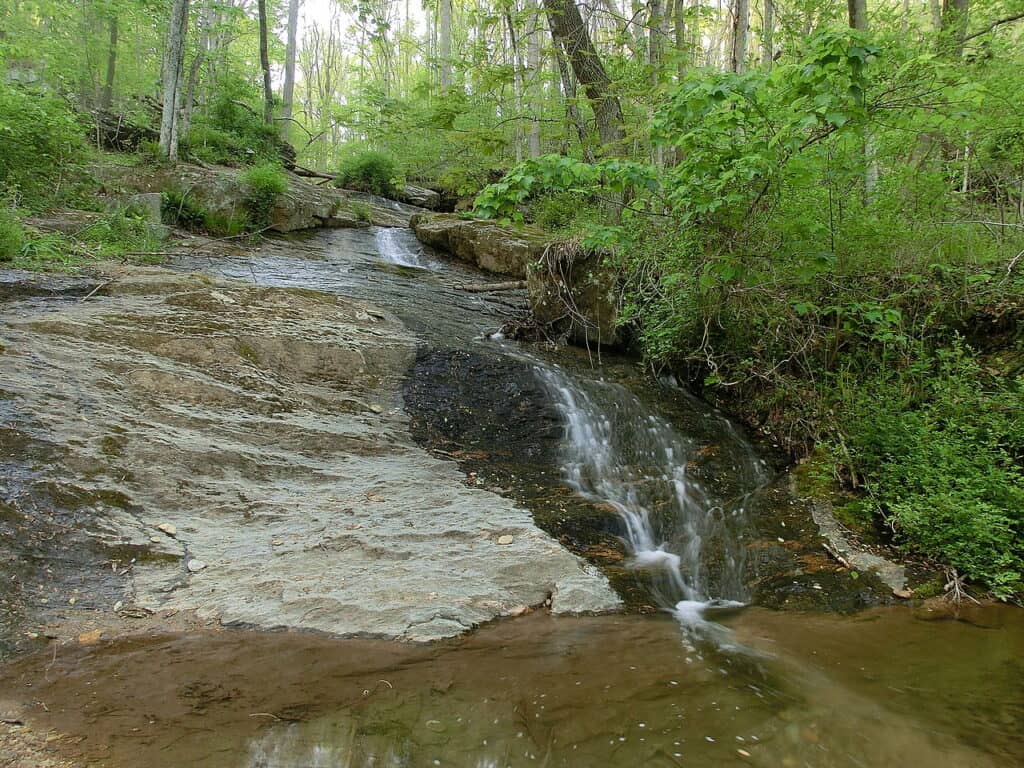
881 689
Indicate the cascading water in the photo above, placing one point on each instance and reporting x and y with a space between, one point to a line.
619 453
398 247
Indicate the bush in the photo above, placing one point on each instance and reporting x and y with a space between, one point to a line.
12 235
941 445
39 136
232 134
369 172
264 185
179 209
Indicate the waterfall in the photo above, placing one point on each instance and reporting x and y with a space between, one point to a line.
395 248
618 452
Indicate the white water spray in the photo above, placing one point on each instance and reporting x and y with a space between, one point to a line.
396 249
618 453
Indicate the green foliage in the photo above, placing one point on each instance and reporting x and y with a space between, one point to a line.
264 184
369 171
943 443
361 210
233 133
180 209
39 137
12 235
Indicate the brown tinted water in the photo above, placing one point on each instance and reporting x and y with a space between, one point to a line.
884 688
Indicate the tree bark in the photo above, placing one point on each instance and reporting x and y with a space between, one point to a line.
857 11
740 26
768 35
533 62
444 24
268 93
680 32
954 27
567 28
289 69
107 94
173 60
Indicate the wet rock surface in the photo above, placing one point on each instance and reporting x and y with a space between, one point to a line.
264 427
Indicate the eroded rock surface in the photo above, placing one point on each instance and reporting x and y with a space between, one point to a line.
505 250
260 431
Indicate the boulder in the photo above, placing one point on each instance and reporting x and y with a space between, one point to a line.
420 196
505 250
574 294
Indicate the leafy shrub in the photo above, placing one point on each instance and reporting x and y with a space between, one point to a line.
39 135
180 209
12 235
264 184
119 233
370 172
941 445
232 134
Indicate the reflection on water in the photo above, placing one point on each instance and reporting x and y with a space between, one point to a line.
882 689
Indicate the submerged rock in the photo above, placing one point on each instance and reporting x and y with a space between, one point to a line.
505 250
248 425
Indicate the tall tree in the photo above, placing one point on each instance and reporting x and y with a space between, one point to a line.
268 93
174 58
738 38
571 33
533 63
857 10
682 47
289 68
107 94
768 35
954 26
444 24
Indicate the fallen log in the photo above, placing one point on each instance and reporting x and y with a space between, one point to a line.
310 173
511 285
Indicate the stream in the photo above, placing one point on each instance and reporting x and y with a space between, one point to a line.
688 519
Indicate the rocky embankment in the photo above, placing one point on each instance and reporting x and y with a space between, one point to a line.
221 191
174 443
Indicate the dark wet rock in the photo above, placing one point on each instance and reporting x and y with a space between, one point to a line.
574 295
504 250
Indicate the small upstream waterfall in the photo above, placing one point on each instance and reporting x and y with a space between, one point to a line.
398 246
619 453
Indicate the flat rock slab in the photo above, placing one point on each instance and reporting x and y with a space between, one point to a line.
265 428
505 250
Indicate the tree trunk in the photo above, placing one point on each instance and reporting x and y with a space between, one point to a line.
444 24
268 93
533 62
954 27
289 68
680 32
857 10
768 35
858 15
567 28
173 60
107 94
188 103
740 26
569 89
